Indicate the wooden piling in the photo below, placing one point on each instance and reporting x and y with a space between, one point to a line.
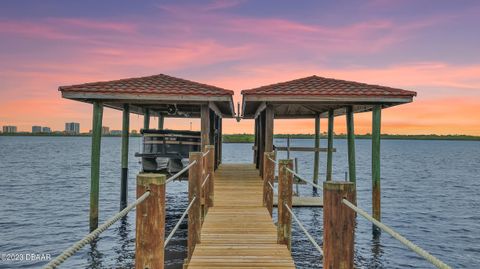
209 170
376 202
268 177
150 222
146 119
124 174
330 145
194 215
338 225
95 163
316 154
351 145
285 182
161 121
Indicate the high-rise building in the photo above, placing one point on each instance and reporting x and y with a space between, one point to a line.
105 130
72 128
46 130
9 129
36 129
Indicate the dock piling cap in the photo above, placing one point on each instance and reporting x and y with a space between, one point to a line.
146 179
338 185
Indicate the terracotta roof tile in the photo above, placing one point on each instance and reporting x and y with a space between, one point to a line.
320 86
157 84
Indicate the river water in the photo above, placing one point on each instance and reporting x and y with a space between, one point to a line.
430 194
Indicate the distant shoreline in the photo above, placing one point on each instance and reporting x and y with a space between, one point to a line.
249 138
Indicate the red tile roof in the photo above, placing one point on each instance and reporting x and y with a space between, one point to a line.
320 86
157 84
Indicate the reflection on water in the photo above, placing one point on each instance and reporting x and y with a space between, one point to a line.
443 219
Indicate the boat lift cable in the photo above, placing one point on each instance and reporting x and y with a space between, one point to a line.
307 234
302 179
427 256
169 237
205 180
170 179
91 236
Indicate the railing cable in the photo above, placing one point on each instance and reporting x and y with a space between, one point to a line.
205 180
179 222
305 231
91 236
170 179
205 154
302 179
429 257
275 162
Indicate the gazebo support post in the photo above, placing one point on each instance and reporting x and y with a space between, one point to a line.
161 121
95 163
146 119
317 153
330 145
255 143
269 118
124 172
205 125
376 202
351 145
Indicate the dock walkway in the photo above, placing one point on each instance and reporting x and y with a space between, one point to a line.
238 231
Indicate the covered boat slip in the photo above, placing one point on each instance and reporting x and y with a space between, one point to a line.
159 95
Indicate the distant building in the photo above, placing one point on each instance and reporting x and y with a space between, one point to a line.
46 130
9 129
72 128
36 129
116 132
105 130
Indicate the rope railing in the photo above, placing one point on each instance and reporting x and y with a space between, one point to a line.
174 230
91 236
307 234
205 154
205 180
272 160
427 256
179 173
303 179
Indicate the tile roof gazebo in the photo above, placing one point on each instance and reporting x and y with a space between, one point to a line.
160 95
317 97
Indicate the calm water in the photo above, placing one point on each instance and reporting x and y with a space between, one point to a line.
430 194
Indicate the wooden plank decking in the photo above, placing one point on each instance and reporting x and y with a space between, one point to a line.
238 231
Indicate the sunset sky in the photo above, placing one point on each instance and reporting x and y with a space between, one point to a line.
432 47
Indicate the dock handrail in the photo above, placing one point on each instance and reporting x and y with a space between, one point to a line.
91 236
307 234
303 179
174 230
205 180
423 253
179 173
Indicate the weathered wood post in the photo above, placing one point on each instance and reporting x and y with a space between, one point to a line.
330 145
95 163
338 225
376 202
124 172
351 145
316 158
268 176
194 215
209 170
150 222
146 119
205 125
285 184
161 121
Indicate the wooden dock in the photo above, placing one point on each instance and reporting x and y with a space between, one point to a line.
238 231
